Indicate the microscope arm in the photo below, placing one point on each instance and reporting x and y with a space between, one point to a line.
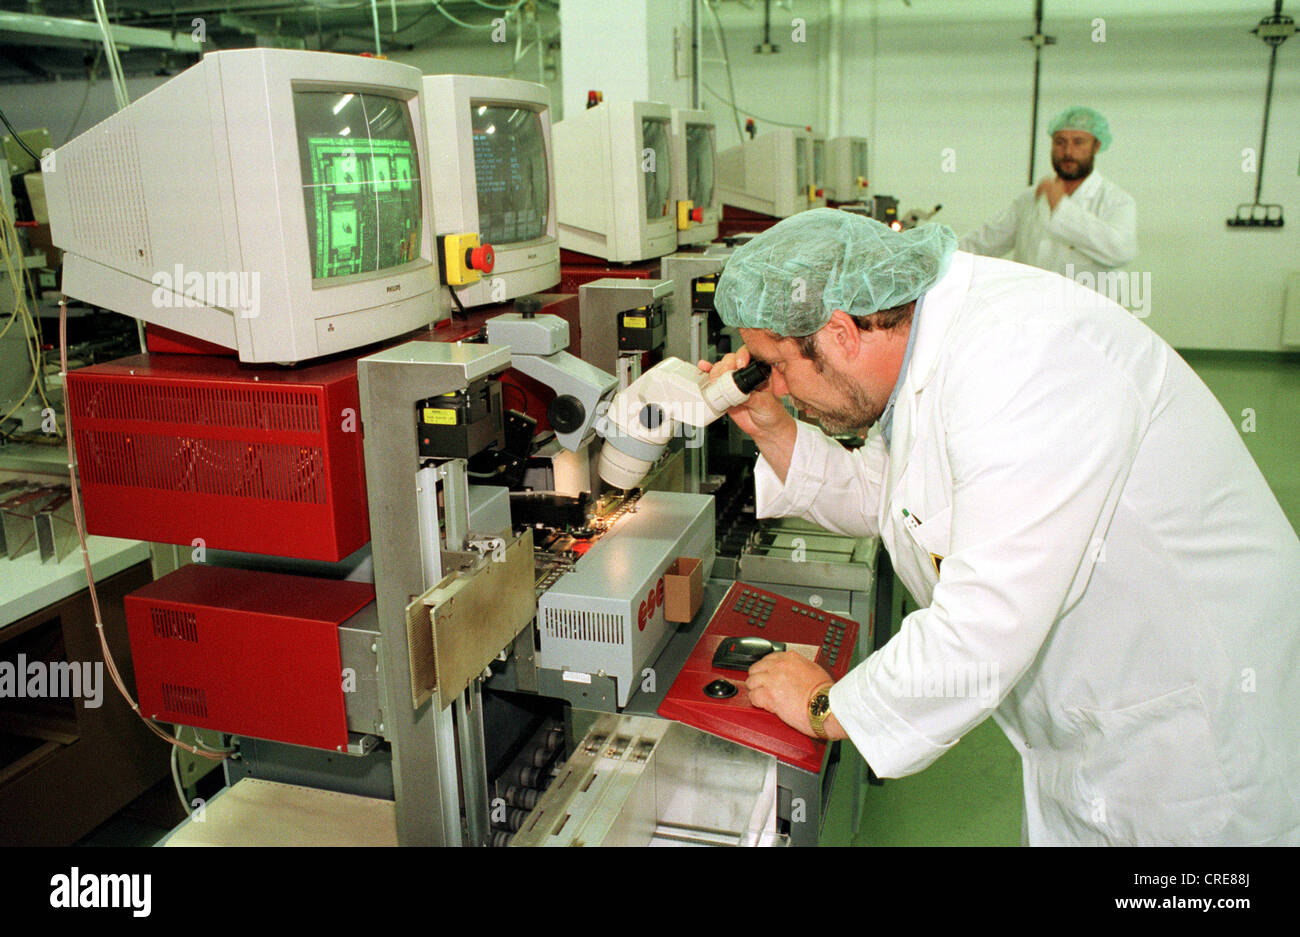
579 390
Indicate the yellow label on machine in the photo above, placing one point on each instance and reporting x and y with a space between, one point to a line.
437 416
634 322
706 286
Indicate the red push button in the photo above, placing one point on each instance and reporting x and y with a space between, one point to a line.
697 215
482 258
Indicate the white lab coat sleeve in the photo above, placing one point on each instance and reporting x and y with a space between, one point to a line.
1109 237
997 237
1040 436
837 488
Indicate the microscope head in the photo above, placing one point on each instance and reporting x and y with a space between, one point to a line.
643 418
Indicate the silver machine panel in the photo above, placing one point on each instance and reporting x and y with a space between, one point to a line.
605 617
639 781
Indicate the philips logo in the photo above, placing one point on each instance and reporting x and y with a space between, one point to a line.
102 891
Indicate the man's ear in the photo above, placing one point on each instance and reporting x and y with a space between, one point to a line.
842 334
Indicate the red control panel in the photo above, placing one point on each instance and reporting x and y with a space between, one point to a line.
748 611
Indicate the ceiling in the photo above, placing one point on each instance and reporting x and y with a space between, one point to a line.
334 25
349 25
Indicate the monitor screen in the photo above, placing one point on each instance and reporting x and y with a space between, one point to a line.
658 172
699 164
819 162
361 182
859 160
510 172
801 165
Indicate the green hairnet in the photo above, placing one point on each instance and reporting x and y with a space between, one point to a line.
1085 119
791 277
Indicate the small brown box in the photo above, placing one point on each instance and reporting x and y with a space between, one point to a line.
683 589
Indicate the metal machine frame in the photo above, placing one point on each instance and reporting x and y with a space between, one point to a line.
408 561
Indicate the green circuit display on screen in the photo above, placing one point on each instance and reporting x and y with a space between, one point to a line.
366 205
361 183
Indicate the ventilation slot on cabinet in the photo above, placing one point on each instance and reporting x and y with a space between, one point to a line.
185 700
574 625
226 467
173 623
234 407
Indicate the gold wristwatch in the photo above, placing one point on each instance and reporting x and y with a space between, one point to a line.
819 708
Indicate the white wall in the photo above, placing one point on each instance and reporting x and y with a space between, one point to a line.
625 49
1183 93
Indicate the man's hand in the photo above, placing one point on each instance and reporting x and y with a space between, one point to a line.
1053 189
761 416
782 683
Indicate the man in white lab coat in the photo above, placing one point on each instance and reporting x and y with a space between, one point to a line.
1099 563
1073 223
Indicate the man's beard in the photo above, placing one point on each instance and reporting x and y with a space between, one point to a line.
857 416
1082 169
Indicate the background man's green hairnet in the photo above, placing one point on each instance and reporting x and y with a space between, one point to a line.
1082 118
791 277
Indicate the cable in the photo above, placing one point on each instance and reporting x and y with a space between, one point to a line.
415 22
766 120
11 247
80 521
110 49
374 13
19 140
437 5
176 779
85 98
339 6
726 61
456 300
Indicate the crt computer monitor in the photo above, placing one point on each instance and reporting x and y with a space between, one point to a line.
613 181
770 174
270 201
491 160
695 176
846 169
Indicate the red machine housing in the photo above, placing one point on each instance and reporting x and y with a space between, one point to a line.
160 340
577 269
245 652
742 221
749 611
183 448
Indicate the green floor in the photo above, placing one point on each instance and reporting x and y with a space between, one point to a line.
972 795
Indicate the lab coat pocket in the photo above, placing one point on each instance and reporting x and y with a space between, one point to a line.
933 537
1154 772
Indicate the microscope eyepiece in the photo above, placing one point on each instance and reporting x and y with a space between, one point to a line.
752 376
